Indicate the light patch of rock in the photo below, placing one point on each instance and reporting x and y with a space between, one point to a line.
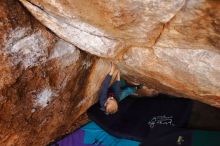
29 50
202 65
82 35
66 52
155 7
44 97
62 48
83 101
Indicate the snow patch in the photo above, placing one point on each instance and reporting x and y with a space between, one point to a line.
28 49
44 97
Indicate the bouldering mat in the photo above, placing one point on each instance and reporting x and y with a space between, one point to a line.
92 135
137 117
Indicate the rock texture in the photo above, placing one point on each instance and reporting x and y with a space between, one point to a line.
105 27
172 46
46 84
185 60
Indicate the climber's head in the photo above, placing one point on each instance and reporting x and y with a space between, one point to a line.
111 105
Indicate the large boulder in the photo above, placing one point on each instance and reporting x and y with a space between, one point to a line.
46 84
172 46
105 27
185 59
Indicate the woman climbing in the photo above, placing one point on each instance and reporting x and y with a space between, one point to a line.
110 96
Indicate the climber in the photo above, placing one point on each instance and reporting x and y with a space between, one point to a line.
110 96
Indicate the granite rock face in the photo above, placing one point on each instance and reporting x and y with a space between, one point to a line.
185 60
105 27
172 46
50 77
46 84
